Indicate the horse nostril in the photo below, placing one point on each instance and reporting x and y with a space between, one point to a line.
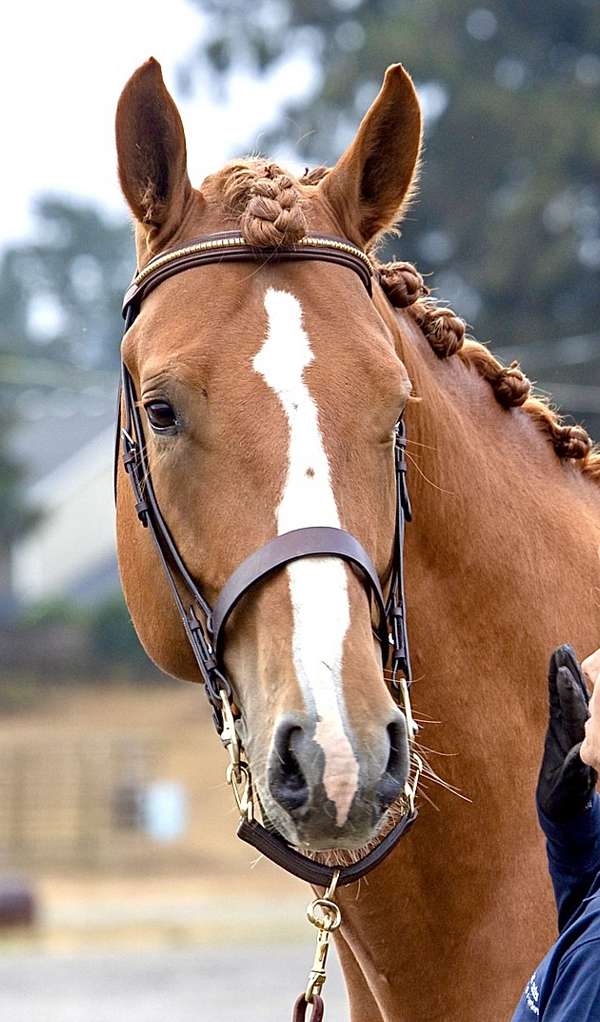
396 763
396 770
286 778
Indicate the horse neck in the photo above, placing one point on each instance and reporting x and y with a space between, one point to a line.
503 528
501 566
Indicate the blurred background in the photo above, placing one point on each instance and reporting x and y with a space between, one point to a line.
122 887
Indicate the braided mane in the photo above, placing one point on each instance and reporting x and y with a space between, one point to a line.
446 333
270 208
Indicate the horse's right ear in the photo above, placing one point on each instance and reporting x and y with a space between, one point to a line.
151 151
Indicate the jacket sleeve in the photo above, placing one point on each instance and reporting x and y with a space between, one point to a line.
576 991
573 849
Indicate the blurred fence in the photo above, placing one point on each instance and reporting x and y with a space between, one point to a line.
79 792
78 801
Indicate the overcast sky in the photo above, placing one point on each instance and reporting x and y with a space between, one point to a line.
62 66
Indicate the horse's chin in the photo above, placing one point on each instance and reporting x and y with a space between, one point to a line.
346 854
333 850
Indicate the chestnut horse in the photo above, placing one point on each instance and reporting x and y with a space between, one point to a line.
270 393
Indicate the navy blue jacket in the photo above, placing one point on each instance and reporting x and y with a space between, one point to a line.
565 987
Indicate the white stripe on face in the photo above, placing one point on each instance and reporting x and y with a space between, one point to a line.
318 585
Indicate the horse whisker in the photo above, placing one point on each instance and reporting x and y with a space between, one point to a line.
435 752
440 489
424 795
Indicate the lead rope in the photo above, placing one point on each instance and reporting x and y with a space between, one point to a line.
325 915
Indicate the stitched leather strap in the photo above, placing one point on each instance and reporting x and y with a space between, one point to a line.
316 541
275 848
204 251
301 1006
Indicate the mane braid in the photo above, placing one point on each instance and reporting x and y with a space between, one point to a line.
267 202
447 335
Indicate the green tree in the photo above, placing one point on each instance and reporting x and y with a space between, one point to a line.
60 292
17 516
509 216
60 295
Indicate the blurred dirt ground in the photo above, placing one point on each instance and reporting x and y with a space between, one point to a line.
237 983
143 932
152 949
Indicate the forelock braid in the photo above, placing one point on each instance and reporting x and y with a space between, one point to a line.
273 215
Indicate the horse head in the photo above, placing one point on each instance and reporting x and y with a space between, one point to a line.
269 393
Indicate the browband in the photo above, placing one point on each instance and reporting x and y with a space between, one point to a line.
215 248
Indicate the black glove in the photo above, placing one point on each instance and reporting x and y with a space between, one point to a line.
566 783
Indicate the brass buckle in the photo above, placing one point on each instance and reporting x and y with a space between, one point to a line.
326 916
238 774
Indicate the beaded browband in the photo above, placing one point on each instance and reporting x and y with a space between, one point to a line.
232 245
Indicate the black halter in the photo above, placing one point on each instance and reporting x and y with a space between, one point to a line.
205 631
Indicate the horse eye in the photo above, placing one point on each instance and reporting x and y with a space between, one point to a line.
161 415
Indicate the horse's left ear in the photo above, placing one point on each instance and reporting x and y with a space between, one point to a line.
152 152
373 181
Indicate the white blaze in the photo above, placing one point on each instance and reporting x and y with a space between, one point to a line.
318 585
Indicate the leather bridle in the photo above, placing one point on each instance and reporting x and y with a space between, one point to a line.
205 625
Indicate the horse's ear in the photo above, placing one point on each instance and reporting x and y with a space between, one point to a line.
151 151
372 182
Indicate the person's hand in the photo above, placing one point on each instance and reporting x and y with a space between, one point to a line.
566 783
590 750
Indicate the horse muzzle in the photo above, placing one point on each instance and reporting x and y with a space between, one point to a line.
334 794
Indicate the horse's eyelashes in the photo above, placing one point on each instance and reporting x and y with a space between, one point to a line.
161 415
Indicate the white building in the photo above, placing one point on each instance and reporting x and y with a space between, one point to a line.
71 552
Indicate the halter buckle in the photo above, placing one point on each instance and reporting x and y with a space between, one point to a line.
325 915
238 774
